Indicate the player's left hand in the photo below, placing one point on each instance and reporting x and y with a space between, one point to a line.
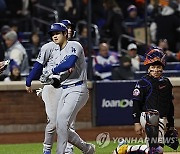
44 78
29 89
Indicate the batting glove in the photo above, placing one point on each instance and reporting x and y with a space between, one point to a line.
44 78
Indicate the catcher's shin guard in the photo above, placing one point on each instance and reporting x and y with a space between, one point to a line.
152 128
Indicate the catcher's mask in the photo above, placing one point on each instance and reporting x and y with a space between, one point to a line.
155 55
155 61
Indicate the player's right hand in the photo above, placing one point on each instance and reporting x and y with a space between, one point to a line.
138 129
29 89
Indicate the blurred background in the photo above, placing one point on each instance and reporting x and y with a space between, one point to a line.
118 23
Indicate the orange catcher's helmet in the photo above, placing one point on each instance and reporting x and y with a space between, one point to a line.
155 54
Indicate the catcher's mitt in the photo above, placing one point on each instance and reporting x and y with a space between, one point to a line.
171 138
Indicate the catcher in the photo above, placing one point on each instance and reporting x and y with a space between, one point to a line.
153 109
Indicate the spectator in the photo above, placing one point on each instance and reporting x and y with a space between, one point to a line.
5 29
133 20
16 52
15 74
3 47
75 10
135 58
103 62
165 26
35 44
170 56
83 38
15 27
82 35
113 26
124 71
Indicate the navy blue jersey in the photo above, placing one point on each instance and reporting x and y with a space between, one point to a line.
152 93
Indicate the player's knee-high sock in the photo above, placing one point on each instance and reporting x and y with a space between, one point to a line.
70 147
49 137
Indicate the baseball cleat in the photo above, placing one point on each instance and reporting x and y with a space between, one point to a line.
47 152
122 148
90 149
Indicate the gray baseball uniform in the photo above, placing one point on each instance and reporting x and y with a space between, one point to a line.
51 96
73 97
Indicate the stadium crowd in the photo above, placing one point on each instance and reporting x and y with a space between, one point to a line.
118 38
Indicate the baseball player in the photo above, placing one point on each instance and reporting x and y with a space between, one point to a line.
71 28
74 89
47 99
71 34
153 107
50 95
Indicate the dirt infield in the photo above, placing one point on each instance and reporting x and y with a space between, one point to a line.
87 134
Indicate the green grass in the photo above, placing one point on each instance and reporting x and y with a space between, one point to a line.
36 148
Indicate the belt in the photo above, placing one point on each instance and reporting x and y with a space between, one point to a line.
72 85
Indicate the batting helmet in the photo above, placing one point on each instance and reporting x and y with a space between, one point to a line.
155 55
57 27
69 23
66 22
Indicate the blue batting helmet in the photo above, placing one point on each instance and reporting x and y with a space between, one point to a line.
66 22
57 27
69 23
